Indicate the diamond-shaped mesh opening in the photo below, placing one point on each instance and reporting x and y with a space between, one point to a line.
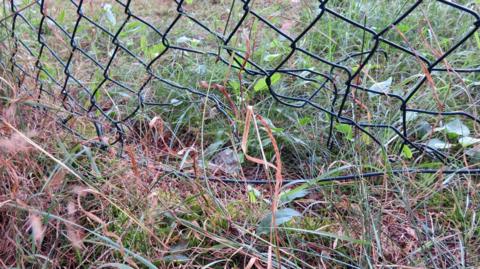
391 70
51 66
448 93
158 93
115 101
81 126
94 43
142 40
77 97
126 69
466 57
24 59
56 41
85 70
61 14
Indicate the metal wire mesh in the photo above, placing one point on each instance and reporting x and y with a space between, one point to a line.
53 49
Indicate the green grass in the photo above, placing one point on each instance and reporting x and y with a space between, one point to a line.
143 211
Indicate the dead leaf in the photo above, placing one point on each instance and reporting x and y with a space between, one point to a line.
37 228
226 161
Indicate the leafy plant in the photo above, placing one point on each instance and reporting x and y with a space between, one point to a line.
282 216
407 152
455 128
436 143
346 130
261 84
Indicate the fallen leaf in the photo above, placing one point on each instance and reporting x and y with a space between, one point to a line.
37 228
227 161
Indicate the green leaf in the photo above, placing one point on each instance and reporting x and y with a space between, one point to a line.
278 44
277 130
282 216
305 120
261 84
456 127
155 50
132 27
144 44
383 87
241 157
431 165
438 144
235 85
61 17
189 2
403 27
365 139
253 194
48 70
407 152
346 130
292 194
423 128
467 141
477 36
271 57
274 129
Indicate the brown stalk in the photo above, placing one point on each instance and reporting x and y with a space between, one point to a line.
278 167
205 85
244 145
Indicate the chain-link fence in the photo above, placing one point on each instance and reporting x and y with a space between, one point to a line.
403 79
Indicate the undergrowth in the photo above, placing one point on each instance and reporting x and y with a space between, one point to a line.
66 203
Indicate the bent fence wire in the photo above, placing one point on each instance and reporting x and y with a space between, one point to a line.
74 50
